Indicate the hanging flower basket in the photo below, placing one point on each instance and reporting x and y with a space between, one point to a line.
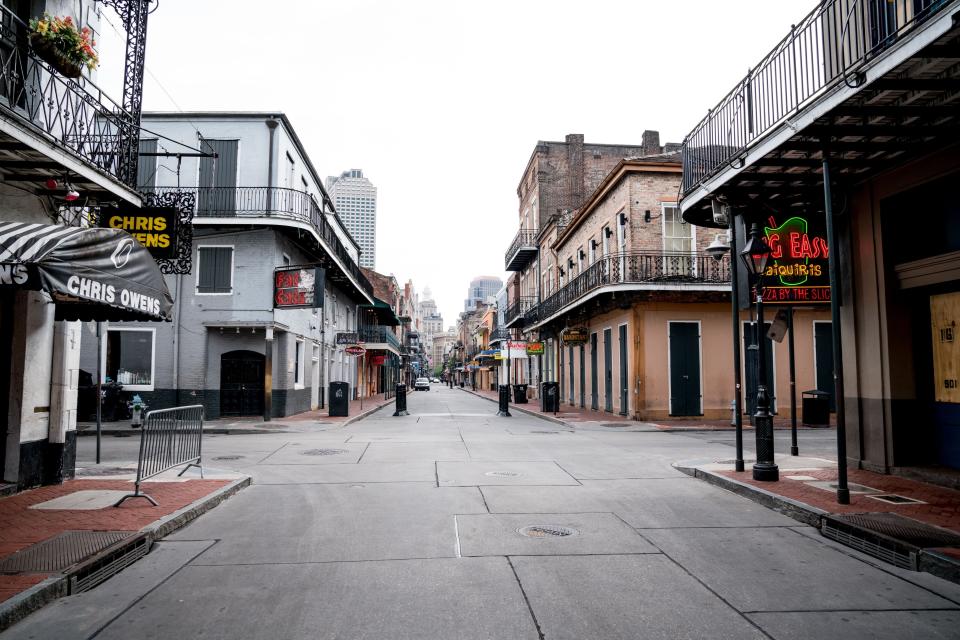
49 53
59 43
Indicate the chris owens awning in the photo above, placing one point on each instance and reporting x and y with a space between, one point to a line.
91 274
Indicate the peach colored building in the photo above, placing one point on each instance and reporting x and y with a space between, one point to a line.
626 272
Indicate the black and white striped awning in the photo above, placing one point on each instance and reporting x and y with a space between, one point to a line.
91 273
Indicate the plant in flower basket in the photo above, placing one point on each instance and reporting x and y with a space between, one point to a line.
61 45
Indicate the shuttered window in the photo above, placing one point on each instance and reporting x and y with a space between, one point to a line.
147 166
215 270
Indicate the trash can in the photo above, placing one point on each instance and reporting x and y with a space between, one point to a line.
520 394
339 399
400 399
816 408
550 397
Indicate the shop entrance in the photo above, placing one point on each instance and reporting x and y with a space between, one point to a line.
944 328
241 383
6 353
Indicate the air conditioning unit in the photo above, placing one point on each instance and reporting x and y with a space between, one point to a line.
721 213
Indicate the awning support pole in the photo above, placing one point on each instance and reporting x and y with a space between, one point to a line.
99 386
843 491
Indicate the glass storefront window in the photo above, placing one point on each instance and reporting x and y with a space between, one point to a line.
129 358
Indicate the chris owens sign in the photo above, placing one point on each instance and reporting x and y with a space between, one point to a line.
298 287
797 272
153 227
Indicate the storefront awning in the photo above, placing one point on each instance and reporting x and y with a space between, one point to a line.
91 273
383 312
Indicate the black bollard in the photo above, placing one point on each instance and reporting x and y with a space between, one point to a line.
504 405
401 401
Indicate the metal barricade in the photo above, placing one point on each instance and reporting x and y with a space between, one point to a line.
169 438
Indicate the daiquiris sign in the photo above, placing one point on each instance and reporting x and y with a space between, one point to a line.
797 272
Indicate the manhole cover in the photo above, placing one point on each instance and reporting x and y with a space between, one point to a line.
547 531
62 551
323 452
106 471
227 458
615 424
546 432
503 474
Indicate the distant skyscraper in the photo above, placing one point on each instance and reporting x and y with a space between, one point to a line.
355 198
481 288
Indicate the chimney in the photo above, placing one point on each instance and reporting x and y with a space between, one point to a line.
651 142
575 176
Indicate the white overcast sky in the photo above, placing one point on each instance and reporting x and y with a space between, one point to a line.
441 102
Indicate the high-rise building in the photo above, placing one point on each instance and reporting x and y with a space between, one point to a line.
481 288
355 198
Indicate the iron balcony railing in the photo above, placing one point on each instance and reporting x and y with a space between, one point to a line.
830 45
635 268
525 239
274 202
379 335
75 115
519 307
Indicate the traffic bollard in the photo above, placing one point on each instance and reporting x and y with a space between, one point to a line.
401 401
504 404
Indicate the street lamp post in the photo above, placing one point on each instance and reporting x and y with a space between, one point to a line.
755 255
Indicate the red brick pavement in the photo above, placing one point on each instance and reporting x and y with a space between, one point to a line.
21 526
941 508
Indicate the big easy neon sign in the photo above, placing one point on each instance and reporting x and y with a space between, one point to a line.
797 271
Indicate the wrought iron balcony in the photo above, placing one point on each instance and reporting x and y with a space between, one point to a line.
828 47
647 271
379 335
522 250
274 202
517 310
74 115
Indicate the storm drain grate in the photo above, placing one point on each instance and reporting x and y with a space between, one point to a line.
888 536
99 569
61 551
547 531
227 457
503 474
323 452
895 499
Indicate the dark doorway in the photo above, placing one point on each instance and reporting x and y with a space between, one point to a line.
685 369
583 376
241 383
572 376
608 370
6 353
751 361
623 370
593 372
823 356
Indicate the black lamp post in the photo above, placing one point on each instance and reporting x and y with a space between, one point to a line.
755 255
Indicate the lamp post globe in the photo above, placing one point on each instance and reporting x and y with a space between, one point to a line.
755 256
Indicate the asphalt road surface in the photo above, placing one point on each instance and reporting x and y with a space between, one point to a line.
452 523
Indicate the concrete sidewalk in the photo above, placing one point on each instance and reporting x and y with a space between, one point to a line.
47 539
305 422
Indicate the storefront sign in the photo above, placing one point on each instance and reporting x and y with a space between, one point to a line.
797 272
354 350
535 348
944 319
153 227
298 288
516 350
575 336
348 338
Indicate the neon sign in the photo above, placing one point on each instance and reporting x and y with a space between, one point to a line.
797 271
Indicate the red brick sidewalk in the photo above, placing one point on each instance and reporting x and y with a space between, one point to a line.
21 526
941 506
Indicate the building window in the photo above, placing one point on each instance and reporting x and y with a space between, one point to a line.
128 357
214 270
298 364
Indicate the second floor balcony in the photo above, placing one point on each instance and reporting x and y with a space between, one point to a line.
522 250
514 315
60 127
281 204
867 83
376 335
625 272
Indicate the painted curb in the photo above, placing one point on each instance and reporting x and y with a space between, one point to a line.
39 595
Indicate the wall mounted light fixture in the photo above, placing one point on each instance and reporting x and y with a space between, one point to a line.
646 216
